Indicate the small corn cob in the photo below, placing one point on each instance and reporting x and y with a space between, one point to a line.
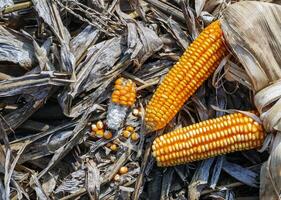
229 133
197 63
124 92
123 97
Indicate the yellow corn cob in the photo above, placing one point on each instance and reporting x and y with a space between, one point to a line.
196 64
234 132
124 92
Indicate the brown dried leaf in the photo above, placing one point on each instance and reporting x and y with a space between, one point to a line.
270 180
239 21
199 5
49 12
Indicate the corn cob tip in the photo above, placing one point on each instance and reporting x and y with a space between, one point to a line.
124 92
229 133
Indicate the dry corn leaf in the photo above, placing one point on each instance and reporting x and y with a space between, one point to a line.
93 179
5 3
73 182
174 29
199 5
216 172
166 183
211 5
49 12
253 32
142 41
80 44
200 179
16 48
270 179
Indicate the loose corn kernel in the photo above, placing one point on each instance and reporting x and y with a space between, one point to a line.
229 133
136 112
113 147
135 136
124 92
99 133
130 129
117 177
197 63
94 127
107 135
126 133
123 170
99 125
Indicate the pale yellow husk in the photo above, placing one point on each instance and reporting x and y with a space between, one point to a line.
253 32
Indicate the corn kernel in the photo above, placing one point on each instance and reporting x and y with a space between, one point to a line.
123 170
126 133
94 127
130 129
99 133
107 135
113 147
117 177
136 112
99 125
135 136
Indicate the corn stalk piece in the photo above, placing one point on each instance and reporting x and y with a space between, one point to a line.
197 63
229 133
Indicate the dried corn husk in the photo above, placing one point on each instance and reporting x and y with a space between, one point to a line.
253 32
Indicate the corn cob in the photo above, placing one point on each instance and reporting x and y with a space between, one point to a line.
123 97
229 133
196 64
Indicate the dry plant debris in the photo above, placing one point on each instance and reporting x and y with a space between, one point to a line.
69 129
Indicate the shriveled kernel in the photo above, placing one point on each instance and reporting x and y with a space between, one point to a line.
108 145
93 134
117 177
107 135
204 141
